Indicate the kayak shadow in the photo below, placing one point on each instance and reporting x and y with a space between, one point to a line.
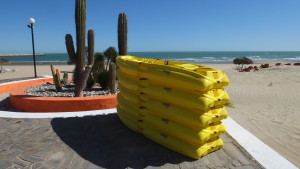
104 141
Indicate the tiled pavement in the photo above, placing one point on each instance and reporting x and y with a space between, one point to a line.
99 142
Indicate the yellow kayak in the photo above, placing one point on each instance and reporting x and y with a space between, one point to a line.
181 146
173 74
201 100
182 132
178 105
193 118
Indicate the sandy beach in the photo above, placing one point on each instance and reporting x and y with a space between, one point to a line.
27 71
265 102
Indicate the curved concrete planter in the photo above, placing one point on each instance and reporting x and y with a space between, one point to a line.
21 101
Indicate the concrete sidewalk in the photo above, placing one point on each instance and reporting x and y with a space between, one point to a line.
100 141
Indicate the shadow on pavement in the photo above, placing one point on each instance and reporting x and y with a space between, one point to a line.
106 142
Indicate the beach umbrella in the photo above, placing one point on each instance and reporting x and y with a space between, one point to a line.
242 60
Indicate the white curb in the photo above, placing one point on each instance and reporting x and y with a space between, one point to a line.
8 114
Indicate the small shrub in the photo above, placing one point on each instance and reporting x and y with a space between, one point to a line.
96 69
103 79
90 81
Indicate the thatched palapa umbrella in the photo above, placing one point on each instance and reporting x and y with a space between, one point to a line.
242 60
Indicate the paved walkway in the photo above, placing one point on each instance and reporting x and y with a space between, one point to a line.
100 141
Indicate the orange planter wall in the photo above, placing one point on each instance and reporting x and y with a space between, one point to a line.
21 101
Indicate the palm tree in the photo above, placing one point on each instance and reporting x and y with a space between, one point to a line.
111 54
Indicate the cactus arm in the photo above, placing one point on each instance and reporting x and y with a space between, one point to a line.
112 77
122 34
90 47
58 78
70 49
52 70
80 21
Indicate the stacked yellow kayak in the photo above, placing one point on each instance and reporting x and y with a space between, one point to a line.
178 105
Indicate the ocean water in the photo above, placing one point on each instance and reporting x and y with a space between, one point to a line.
189 57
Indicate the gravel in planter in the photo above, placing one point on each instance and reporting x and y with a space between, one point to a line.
48 90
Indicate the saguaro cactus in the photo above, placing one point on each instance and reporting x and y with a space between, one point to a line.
122 34
82 70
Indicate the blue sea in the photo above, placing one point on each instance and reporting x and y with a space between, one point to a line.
189 57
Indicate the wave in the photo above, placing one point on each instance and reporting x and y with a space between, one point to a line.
293 59
203 60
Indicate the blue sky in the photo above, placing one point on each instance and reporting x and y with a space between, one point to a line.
156 25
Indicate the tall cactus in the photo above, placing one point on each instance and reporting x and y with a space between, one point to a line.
122 34
112 77
82 70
